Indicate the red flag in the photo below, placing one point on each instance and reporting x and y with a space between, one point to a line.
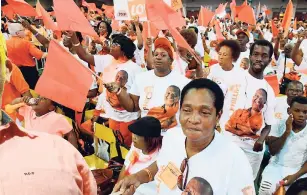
273 82
287 18
205 16
267 12
239 8
48 23
69 17
221 9
22 8
274 29
8 11
247 15
64 80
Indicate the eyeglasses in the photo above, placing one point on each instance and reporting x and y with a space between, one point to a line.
183 167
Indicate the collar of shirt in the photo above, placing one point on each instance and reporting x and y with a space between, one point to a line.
43 116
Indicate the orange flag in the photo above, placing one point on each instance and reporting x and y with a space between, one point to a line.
218 32
149 30
295 24
239 8
247 15
115 25
64 80
287 18
273 82
171 16
41 12
8 11
69 17
22 8
205 16
108 10
274 29
233 9
221 8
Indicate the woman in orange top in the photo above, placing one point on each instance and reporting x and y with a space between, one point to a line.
247 122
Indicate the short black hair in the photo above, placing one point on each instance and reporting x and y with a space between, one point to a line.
262 43
140 26
297 187
204 185
205 84
295 83
234 46
109 28
126 45
194 28
298 99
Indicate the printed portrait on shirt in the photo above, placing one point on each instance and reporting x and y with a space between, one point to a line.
167 112
198 186
121 79
247 122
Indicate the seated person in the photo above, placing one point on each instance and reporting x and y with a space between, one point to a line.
145 145
39 115
287 145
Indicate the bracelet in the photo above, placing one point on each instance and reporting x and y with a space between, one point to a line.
149 174
36 34
120 90
76 45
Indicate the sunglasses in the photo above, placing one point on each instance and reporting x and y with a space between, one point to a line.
180 182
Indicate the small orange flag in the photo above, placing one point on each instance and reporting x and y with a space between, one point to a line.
287 18
41 12
239 8
274 29
70 18
247 15
295 24
64 80
176 4
233 9
8 11
115 25
109 11
205 16
221 8
218 32
22 8
273 82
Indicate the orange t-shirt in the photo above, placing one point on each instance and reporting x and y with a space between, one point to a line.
167 117
21 52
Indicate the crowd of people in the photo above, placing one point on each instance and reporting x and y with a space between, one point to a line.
203 123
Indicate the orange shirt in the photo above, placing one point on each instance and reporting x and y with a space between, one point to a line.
21 52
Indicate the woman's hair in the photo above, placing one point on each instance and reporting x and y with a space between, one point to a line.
299 186
153 143
190 36
109 28
209 85
126 45
233 45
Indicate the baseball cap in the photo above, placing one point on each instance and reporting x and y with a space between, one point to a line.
166 44
243 31
146 127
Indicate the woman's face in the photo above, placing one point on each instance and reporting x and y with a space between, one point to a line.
198 116
259 100
224 56
102 28
43 106
162 61
115 50
139 142
171 96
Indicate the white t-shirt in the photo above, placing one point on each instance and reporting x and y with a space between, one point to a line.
303 47
139 54
246 98
230 82
154 93
242 55
294 152
179 65
281 108
144 160
222 164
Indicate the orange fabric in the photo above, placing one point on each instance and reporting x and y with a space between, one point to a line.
205 16
108 11
70 85
295 24
219 35
166 116
233 9
176 4
241 123
221 8
87 125
123 128
273 82
113 101
274 29
247 15
21 52
48 23
72 19
287 17
22 8
8 11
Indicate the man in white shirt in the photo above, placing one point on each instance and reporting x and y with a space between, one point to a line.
243 39
294 89
287 145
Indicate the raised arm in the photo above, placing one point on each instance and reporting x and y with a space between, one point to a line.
297 54
43 40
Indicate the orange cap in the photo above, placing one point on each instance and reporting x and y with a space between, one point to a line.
243 31
164 43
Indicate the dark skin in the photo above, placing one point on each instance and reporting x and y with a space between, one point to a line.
259 60
198 118
243 40
294 90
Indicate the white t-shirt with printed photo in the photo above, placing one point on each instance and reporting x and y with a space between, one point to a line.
222 164
241 57
139 54
281 108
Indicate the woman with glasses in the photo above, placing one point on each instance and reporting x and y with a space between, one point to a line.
150 92
195 149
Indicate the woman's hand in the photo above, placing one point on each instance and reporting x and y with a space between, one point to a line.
112 87
290 179
127 185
